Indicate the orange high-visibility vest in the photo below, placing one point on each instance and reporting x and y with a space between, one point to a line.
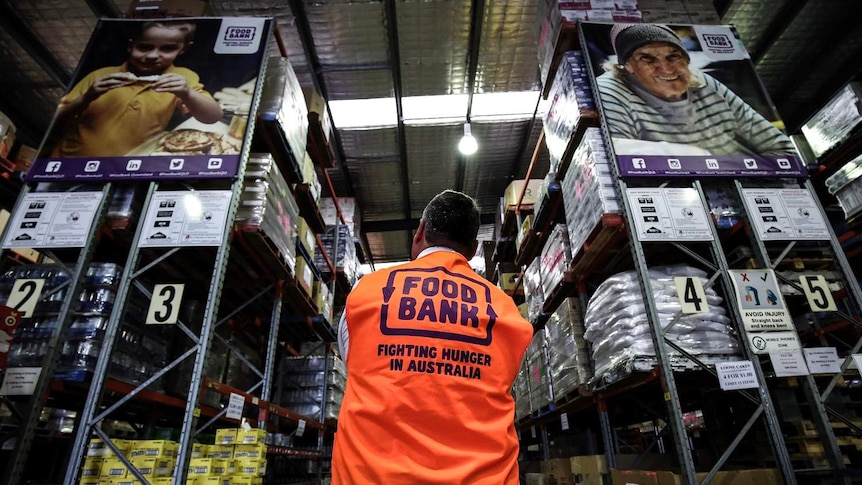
434 350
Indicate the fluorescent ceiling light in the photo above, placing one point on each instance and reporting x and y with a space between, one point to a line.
433 110
364 113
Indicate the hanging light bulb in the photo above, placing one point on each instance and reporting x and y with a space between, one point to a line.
468 144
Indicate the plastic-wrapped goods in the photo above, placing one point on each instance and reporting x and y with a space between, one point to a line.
536 360
570 95
589 189
266 203
300 385
846 186
568 356
521 391
618 327
282 100
344 258
723 205
533 294
556 258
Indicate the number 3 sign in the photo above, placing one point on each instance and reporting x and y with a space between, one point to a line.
165 304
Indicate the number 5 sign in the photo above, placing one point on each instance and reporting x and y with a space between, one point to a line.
818 293
165 304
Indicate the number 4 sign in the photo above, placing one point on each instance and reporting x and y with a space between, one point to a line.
165 304
692 297
818 293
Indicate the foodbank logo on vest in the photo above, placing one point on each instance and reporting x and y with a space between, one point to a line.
435 302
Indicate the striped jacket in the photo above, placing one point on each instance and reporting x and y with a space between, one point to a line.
720 121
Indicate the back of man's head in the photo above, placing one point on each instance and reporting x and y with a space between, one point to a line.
452 219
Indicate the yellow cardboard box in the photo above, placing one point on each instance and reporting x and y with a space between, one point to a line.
98 447
224 452
210 466
154 449
226 436
250 436
304 275
92 466
246 480
558 471
154 467
113 468
251 467
223 480
306 236
256 451
588 465
513 192
199 450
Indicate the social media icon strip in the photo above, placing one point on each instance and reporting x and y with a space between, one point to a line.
638 163
53 166
674 163
133 165
750 163
783 163
712 163
91 166
176 163
214 163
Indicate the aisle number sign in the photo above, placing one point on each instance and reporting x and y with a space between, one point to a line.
52 220
668 214
186 218
760 300
736 375
692 296
165 304
25 293
817 292
785 214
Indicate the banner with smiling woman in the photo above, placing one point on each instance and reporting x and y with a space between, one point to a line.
157 99
684 100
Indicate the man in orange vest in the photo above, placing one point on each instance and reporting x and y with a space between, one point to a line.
432 350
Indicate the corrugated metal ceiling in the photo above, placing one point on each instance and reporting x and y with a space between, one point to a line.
345 48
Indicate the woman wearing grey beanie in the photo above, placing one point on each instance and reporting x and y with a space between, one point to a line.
652 94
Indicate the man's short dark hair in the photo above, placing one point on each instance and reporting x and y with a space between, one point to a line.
452 218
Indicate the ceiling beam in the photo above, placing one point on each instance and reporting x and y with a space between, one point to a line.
477 20
390 19
408 224
12 23
105 8
303 28
780 22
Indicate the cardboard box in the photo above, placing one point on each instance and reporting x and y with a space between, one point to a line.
557 471
761 476
150 9
304 275
513 192
588 465
200 450
97 447
226 436
643 477
154 449
256 451
213 480
251 467
210 466
306 236
251 436
92 467
113 468
224 452
154 467
323 301
246 480
535 479
507 281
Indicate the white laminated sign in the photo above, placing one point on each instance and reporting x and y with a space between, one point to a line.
784 214
669 214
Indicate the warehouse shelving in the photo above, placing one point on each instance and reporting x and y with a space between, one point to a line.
247 292
605 252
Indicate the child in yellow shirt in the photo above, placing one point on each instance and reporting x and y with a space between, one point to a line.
114 109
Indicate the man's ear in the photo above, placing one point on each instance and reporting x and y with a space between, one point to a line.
420 233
